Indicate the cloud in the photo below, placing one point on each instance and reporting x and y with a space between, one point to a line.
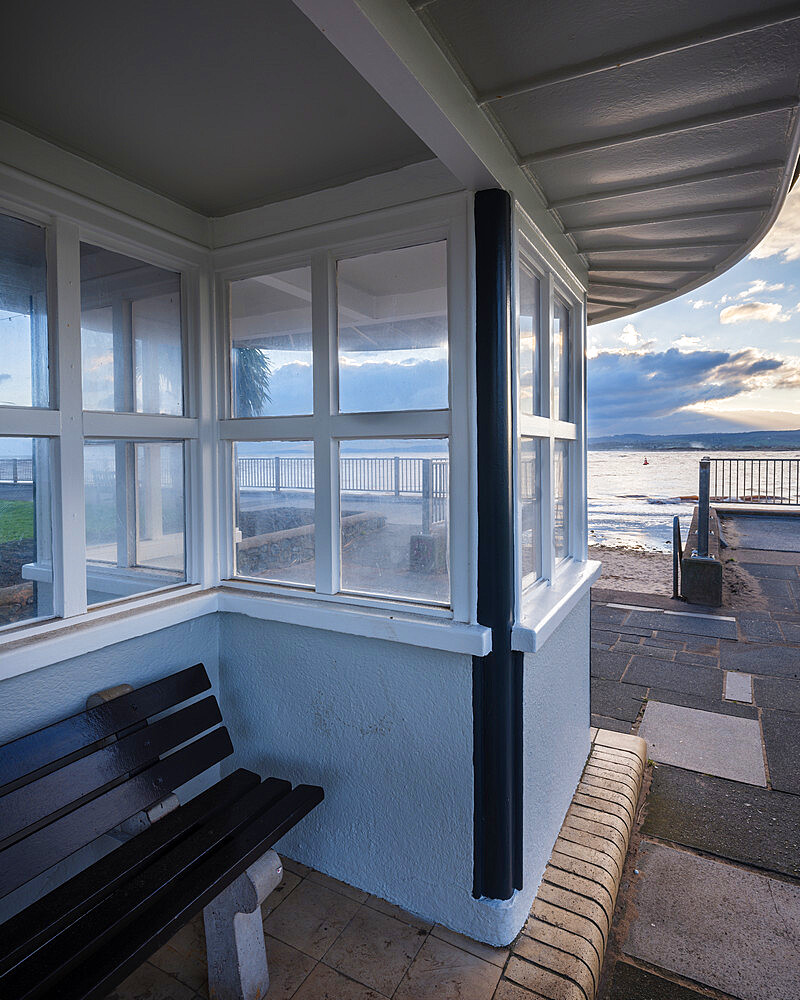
756 288
633 341
700 303
637 390
685 343
784 237
759 312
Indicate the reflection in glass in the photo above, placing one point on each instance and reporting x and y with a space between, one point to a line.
393 330
530 549
561 543
529 358
271 366
274 529
135 523
24 374
26 551
131 343
561 361
394 500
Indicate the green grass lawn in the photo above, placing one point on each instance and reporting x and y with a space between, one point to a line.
16 520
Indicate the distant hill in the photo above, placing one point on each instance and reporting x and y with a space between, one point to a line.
727 441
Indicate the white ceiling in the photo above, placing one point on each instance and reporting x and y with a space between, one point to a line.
219 106
663 159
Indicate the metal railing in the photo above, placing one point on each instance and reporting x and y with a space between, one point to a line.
16 470
427 478
756 480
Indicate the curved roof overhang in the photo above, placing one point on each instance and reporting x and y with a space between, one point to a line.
655 145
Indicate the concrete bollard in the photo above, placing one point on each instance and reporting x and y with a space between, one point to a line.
237 955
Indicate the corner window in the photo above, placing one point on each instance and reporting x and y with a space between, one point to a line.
341 484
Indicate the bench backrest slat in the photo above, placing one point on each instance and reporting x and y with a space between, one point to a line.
90 775
29 753
24 859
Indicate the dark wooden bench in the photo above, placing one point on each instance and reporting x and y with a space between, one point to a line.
68 784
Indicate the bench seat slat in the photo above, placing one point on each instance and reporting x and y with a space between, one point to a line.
36 750
40 921
90 774
27 858
109 959
137 895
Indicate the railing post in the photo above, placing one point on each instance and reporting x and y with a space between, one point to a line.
16 470
277 474
677 555
426 496
397 475
702 510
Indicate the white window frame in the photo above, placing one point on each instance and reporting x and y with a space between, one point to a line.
320 249
543 601
67 426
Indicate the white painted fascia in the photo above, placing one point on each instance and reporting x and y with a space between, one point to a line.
545 607
389 46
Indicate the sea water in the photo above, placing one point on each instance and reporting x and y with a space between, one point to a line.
632 504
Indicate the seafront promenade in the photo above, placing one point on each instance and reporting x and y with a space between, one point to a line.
710 897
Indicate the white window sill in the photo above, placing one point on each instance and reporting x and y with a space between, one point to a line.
545 607
41 643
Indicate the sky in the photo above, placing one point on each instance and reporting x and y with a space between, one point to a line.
725 357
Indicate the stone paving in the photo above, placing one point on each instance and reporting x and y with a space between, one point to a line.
710 898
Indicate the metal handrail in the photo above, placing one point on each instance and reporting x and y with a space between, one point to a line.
774 481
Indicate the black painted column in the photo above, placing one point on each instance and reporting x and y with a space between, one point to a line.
497 678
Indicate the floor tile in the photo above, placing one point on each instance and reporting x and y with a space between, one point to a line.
738 686
733 820
632 983
399 913
184 956
289 882
724 745
311 918
497 956
727 928
758 658
652 672
443 972
618 701
325 983
782 693
375 949
287 967
782 740
608 664
150 983
333 883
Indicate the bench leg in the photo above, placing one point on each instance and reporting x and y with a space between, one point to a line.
237 956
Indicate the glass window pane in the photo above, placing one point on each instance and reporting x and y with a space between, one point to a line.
561 543
561 361
135 523
529 356
24 374
131 342
274 530
394 498
26 548
393 330
271 365
529 485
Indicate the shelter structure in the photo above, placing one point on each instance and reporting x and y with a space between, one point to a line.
293 308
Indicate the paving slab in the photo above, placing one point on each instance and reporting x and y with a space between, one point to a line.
782 740
791 632
632 983
782 693
606 722
724 745
738 686
768 571
775 534
702 643
727 928
609 665
692 624
637 649
703 704
760 658
618 701
651 671
733 820
759 629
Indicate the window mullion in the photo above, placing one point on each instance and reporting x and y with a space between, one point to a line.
326 465
69 571
546 508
